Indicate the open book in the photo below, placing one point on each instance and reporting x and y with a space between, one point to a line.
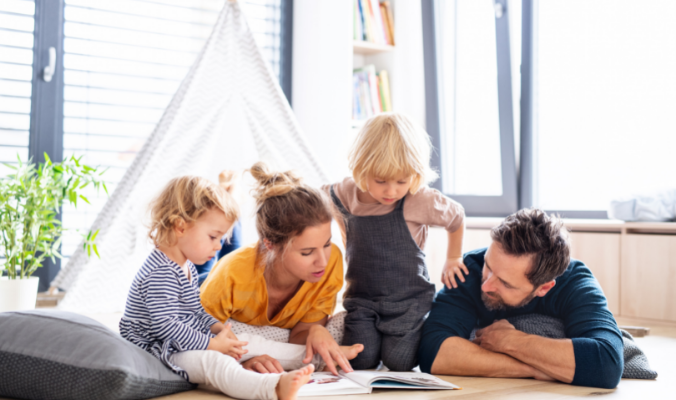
327 384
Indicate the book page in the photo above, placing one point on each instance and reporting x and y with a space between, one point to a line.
413 380
327 384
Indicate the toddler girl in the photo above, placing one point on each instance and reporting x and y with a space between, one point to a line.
164 316
387 208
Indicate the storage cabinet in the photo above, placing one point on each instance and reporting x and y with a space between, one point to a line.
601 253
649 276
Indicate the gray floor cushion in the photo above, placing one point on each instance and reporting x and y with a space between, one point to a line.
62 355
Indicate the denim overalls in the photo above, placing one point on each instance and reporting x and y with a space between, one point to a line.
388 293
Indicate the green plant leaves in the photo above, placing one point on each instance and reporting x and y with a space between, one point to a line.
31 198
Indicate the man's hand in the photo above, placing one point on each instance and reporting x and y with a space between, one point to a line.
263 364
452 268
496 337
224 343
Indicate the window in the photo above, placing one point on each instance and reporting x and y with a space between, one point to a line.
469 102
16 72
605 95
597 90
469 98
118 65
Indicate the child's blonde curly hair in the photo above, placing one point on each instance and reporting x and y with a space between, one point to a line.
389 145
186 198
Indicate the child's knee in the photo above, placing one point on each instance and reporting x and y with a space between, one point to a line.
399 355
369 358
397 362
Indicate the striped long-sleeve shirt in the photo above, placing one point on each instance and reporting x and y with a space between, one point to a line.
163 314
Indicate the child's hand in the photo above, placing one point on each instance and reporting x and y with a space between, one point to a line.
224 343
453 267
219 326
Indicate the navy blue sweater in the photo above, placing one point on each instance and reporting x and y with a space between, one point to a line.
577 299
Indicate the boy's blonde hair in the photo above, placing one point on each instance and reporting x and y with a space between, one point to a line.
185 199
391 144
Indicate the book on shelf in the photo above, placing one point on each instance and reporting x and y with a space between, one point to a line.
373 21
386 10
362 382
371 92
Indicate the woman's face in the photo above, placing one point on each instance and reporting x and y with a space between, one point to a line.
308 254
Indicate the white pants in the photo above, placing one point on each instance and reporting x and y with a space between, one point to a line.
212 370
216 371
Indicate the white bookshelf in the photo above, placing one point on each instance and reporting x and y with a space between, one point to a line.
324 56
368 48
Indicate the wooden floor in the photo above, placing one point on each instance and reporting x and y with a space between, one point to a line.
659 346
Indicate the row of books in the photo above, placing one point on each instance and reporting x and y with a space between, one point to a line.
373 21
371 92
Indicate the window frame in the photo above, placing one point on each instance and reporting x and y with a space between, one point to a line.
46 119
47 98
475 206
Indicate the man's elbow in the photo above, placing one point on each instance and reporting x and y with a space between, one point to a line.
613 375
440 363
608 379
431 348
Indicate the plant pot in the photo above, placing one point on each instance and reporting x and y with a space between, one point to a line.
18 294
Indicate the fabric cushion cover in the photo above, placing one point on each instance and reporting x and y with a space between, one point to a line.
47 354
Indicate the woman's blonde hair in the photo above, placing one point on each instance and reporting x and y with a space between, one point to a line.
285 206
185 199
389 145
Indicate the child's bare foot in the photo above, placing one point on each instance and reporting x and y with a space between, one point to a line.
291 382
350 352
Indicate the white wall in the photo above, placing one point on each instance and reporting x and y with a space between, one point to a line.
322 86
322 73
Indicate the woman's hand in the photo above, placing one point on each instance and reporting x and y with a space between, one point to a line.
263 364
453 267
319 340
224 343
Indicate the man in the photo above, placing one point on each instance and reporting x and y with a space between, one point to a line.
526 270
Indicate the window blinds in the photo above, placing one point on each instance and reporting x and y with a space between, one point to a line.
16 70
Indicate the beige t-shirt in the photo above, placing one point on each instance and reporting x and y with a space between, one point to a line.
428 207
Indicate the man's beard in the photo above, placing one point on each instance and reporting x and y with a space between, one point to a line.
496 303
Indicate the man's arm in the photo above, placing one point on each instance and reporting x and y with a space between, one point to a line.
554 357
458 356
593 356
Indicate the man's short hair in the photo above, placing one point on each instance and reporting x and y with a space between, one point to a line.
531 231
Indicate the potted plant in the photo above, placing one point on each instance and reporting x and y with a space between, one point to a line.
30 230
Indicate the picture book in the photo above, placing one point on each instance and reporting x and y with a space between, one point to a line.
362 382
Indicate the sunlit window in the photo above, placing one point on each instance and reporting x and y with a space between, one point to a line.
605 95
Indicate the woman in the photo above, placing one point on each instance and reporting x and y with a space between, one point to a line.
290 278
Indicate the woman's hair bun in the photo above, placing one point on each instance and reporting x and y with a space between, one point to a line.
271 184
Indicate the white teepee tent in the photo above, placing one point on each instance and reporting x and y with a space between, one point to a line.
228 113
